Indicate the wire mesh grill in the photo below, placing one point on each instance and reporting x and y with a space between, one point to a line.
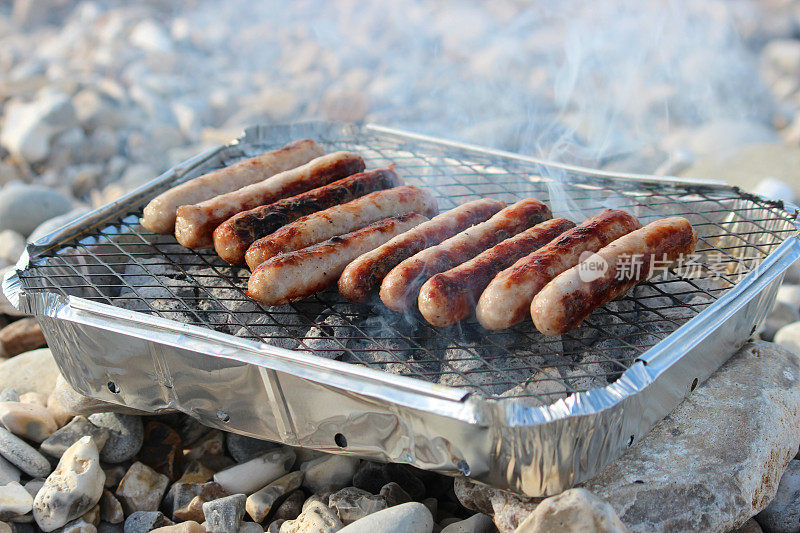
122 264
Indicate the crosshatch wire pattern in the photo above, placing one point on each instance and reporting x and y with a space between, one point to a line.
123 264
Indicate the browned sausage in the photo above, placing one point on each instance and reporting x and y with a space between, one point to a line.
365 274
159 214
400 287
450 296
233 237
195 224
507 299
572 296
298 274
340 219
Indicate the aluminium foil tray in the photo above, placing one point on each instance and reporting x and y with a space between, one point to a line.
134 319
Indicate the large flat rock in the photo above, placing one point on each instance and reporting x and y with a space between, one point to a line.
710 465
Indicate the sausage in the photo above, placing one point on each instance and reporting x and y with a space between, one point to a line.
572 296
159 214
450 296
341 219
401 285
365 274
507 299
235 235
298 274
195 224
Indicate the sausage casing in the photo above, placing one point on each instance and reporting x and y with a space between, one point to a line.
450 296
298 274
507 299
365 274
233 237
195 224
633 258
341 219
159 214
400 287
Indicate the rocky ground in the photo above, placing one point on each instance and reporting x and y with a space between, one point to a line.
98 97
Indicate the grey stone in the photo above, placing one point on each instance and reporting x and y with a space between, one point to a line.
250 527
782 515
74 487
259 504
54 223
125 438
372 476
352 504
477 523
9 395
781 315
57 443
224 514
15 501
8 472
29 127
243 448
145 521
34 486
330 472
107 527
394 494
291 507
34 371
23 207
179 495
79 525
141 489
22 455
789 337
412 517
573 511
246 478
12 244
720 453
110 508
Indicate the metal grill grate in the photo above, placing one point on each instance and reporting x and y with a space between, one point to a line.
124 265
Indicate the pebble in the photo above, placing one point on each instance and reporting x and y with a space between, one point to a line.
14 501
243 448
394 494
5 528
145 521
352 504
196 472
12 244
162 449
213 443
110 508
141 489
30 421
781 315
65 402
8 472
247 478
21 336
789 294
224 514
260 503
57 443
411 517
573 511
105 527
789 337
23 207
329 472
782 515
73 488
126 435
34 398
34 486
291 507
79 525
316 517
114 475
35 371
22 455
9 395
194 509
372 476
250 527
184 527
29 127
51 224
477 523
